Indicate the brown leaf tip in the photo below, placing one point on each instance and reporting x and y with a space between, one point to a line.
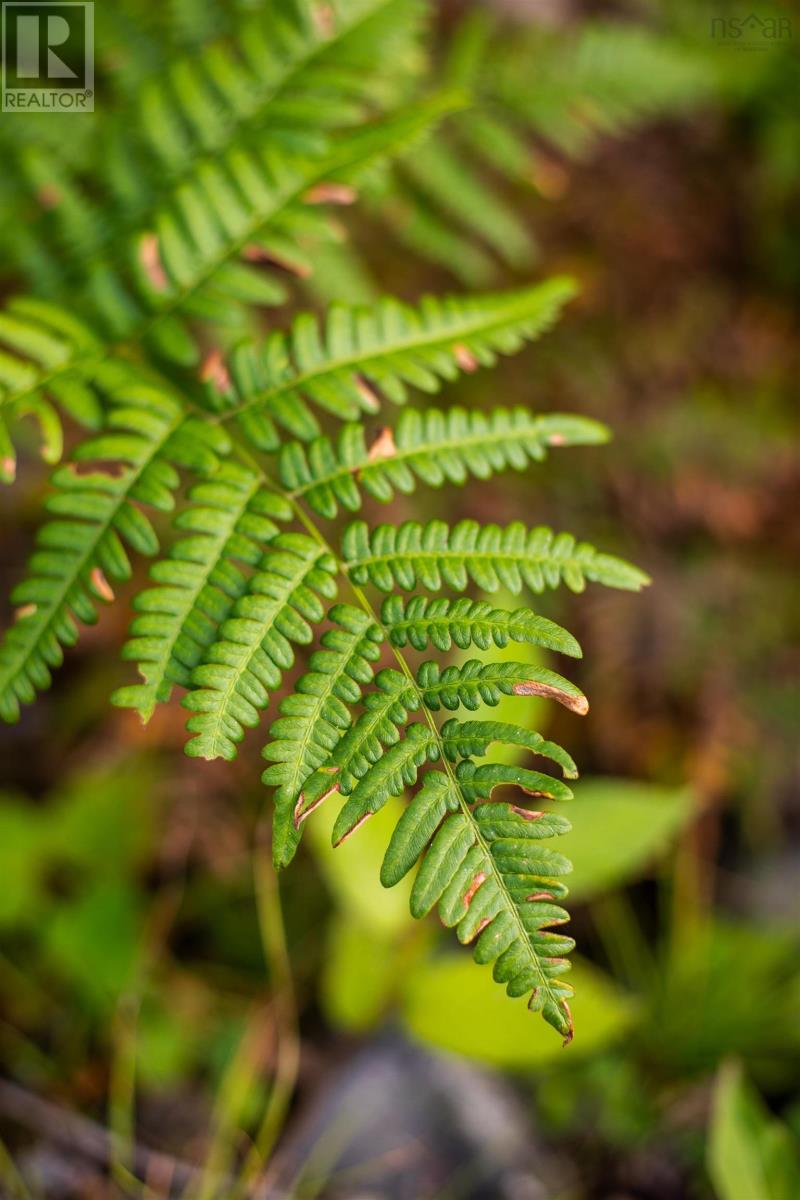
528 814
531 687
331 192
383 447
25 610
255 253
48 195
465 358
100 584
570 1024
214 371
370 400
150 258
324 20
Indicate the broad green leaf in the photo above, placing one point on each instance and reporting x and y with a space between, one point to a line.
455 1006
352 870
751 1156
20 858
359 973
619 828
95 941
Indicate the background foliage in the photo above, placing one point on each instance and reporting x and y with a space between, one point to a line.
144 949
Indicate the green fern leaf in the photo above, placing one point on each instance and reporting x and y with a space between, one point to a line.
82 551
46 355
362 354
492 881
474 683
396 769
386 713
254 646
440 622
431 446
469 685
315 717
471 739
193 260
433 556
230 520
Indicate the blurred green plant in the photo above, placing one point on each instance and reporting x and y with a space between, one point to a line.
751 1156
696 683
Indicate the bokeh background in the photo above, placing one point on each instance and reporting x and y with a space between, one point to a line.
168 1010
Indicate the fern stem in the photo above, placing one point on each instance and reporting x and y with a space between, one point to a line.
273 934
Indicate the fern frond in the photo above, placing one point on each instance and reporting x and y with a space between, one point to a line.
196 258
386 713
97 512
440 622
316 716
276 86
46 355
290 71
230 519
169 248
432 446
472 739
481 865
474 683
446 178
435 555
254 646
362 354
395 770
601 78
357 755
592 79
492 881
286 72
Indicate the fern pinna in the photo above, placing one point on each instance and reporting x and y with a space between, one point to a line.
143 332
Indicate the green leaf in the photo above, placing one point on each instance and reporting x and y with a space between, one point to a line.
751 1156
490 878
357 355
432 446
620 827
434 556
359 974
231 518
454 1007
316 717
420 621
245 664
352 871
95 941
82 551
